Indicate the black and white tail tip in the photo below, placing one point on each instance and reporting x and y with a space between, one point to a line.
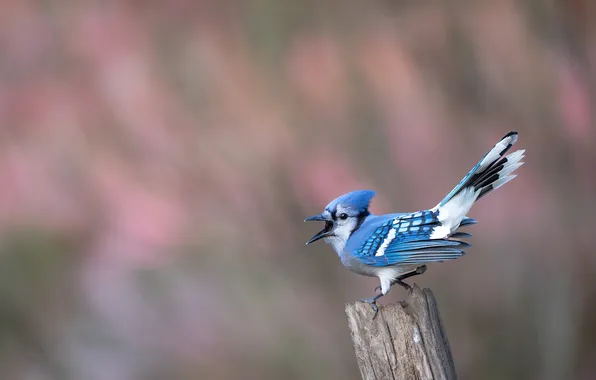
493 171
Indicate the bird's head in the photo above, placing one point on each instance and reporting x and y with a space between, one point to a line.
342 217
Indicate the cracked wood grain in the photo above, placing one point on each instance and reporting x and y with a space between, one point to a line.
405 341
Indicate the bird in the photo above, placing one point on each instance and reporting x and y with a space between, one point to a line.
394 247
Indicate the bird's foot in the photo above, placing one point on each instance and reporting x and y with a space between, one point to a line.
420 270
405 285
373 303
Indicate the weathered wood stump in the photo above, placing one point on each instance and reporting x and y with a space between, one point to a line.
405 341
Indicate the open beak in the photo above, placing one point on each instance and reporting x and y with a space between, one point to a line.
325 232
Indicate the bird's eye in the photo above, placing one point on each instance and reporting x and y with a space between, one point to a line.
343 216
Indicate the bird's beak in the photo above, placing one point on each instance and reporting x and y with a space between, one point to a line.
325 232
317 218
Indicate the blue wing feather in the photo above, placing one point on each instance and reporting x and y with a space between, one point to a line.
414 245
414 257
432 245
421 256
410 242
416 226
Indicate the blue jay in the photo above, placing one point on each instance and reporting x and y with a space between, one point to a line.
394 247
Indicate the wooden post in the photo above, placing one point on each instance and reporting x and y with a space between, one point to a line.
405 341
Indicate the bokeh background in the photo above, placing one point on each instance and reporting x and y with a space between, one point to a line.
157 160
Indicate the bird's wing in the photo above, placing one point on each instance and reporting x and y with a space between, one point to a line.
406 240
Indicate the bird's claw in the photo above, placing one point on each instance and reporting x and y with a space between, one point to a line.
373 304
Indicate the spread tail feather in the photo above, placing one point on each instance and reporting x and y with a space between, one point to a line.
493 171
482 170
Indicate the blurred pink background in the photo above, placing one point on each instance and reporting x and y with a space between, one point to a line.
157 160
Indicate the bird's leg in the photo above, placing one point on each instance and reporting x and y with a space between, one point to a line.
399 280
373 303
421 269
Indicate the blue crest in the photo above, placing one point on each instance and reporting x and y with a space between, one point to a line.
356 200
